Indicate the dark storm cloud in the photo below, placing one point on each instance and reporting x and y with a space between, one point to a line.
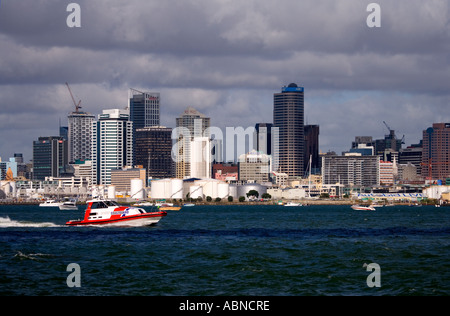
227 58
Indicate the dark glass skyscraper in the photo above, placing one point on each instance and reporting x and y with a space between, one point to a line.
154 151
288 116
144 109
50 156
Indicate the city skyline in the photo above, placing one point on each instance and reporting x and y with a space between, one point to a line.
226 59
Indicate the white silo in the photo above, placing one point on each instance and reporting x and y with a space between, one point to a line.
209 187
222 190
176 189
232 191
161 189
195 192
111 192
137 189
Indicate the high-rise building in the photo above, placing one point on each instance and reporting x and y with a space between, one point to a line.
200 160
144 108
153 150
50 156
351 170
262 139
436 152
79 135
288 116
413 155
312 149
191 124
112 144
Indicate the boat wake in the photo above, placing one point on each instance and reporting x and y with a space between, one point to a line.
32 256
6 222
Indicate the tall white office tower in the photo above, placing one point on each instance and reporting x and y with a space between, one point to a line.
190 125
112 144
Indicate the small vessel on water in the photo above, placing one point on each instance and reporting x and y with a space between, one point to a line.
69 206
109 213
170 208
363 207
188 205
50 203
292 204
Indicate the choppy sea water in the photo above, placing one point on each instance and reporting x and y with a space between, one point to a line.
230 250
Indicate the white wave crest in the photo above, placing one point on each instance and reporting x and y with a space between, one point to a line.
6 222
32 256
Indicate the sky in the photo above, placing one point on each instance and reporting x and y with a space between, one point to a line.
226 58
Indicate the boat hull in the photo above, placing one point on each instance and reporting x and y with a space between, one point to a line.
363 208
147 219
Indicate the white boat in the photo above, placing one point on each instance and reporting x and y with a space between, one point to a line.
143 204
188 205
292 204
50 203
68 206
363 207
109 213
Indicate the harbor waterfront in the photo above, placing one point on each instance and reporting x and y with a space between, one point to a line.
241 250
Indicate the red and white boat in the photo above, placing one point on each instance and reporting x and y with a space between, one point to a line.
363 208
109 213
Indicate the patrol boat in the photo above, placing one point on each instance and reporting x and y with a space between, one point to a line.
109 213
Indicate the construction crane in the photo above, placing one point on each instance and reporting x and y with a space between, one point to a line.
77 105
392 133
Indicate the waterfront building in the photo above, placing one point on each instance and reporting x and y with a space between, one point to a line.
83 169
351 170
255 167
288 116
112 144
153 150
225 171
8 167
121 178
386 173
436 152
79 135
50 156
191 124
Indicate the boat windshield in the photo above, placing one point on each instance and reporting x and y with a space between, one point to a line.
111 203
103 204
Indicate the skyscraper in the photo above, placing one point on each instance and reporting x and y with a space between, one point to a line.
50 156
436 152
288 116
112 144
79 135
191 124
262 139
144 108
312 148
153 149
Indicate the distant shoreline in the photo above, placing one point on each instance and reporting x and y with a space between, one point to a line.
303 202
